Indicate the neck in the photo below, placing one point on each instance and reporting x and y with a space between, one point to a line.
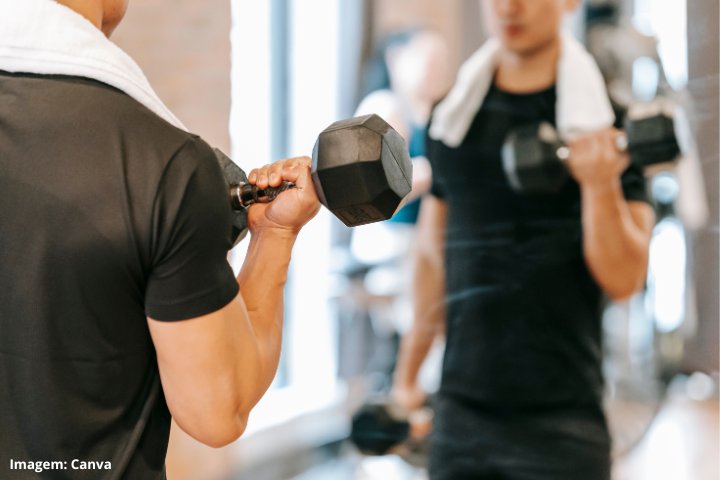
528 71
92 11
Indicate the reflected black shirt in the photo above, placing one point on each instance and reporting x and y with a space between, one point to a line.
523 311
107 214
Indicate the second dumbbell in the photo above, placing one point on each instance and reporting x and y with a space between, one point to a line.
534 157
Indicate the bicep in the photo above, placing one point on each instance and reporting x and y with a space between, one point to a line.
198 360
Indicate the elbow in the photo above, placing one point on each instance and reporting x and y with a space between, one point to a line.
215 429
228 431
622 288
621 276
621 293
223 437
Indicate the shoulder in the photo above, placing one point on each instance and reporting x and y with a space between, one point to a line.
130 116
130 134
383 99
78 104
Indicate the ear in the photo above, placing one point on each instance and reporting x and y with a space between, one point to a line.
113 13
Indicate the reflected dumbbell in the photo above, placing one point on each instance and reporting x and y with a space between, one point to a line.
534 157
381 427
361 171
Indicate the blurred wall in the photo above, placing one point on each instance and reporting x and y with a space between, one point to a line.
457 20
704 67
183 46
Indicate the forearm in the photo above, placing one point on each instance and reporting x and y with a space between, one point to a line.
614 245
262 281
229 357
429 307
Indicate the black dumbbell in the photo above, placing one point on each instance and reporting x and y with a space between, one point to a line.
361 170
381 427
534 157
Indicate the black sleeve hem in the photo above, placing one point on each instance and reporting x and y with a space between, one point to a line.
207 303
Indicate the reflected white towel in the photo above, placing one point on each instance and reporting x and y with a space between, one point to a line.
582 101
44 37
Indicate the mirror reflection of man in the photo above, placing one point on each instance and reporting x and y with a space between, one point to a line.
517 280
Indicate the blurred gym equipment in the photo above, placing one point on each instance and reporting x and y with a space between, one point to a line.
381 427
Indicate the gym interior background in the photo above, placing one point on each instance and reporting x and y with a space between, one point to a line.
262 78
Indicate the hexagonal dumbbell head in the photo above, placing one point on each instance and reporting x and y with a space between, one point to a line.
361 169
530 159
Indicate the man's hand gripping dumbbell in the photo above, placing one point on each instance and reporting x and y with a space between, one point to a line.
536 160
361 171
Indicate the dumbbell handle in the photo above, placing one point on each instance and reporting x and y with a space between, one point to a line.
621 143
242 195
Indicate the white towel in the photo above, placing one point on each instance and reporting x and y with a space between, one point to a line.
44 37
582 101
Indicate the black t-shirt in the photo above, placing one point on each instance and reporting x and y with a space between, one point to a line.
107 214
523 311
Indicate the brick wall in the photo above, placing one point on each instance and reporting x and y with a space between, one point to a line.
457 20
183 46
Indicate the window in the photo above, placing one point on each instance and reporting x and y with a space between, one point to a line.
285 90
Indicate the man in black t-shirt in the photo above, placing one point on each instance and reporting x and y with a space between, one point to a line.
517 280
117 305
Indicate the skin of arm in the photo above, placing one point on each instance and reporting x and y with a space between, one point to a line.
429 303
215 368
616 233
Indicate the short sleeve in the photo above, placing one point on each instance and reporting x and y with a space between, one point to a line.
191 236
634 185
437 188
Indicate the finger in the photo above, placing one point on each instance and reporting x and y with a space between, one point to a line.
294 161
292 174
606 150
596 147
300 175
304 161
252 178
275 172
262 180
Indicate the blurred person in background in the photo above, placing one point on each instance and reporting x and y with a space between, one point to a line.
517 281
408 74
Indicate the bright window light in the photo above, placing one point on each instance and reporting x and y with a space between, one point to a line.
645 78
667 21
313 86
667 456
666 275
250 76
309 348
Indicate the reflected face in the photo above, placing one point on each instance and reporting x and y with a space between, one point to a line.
421 68
525 25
